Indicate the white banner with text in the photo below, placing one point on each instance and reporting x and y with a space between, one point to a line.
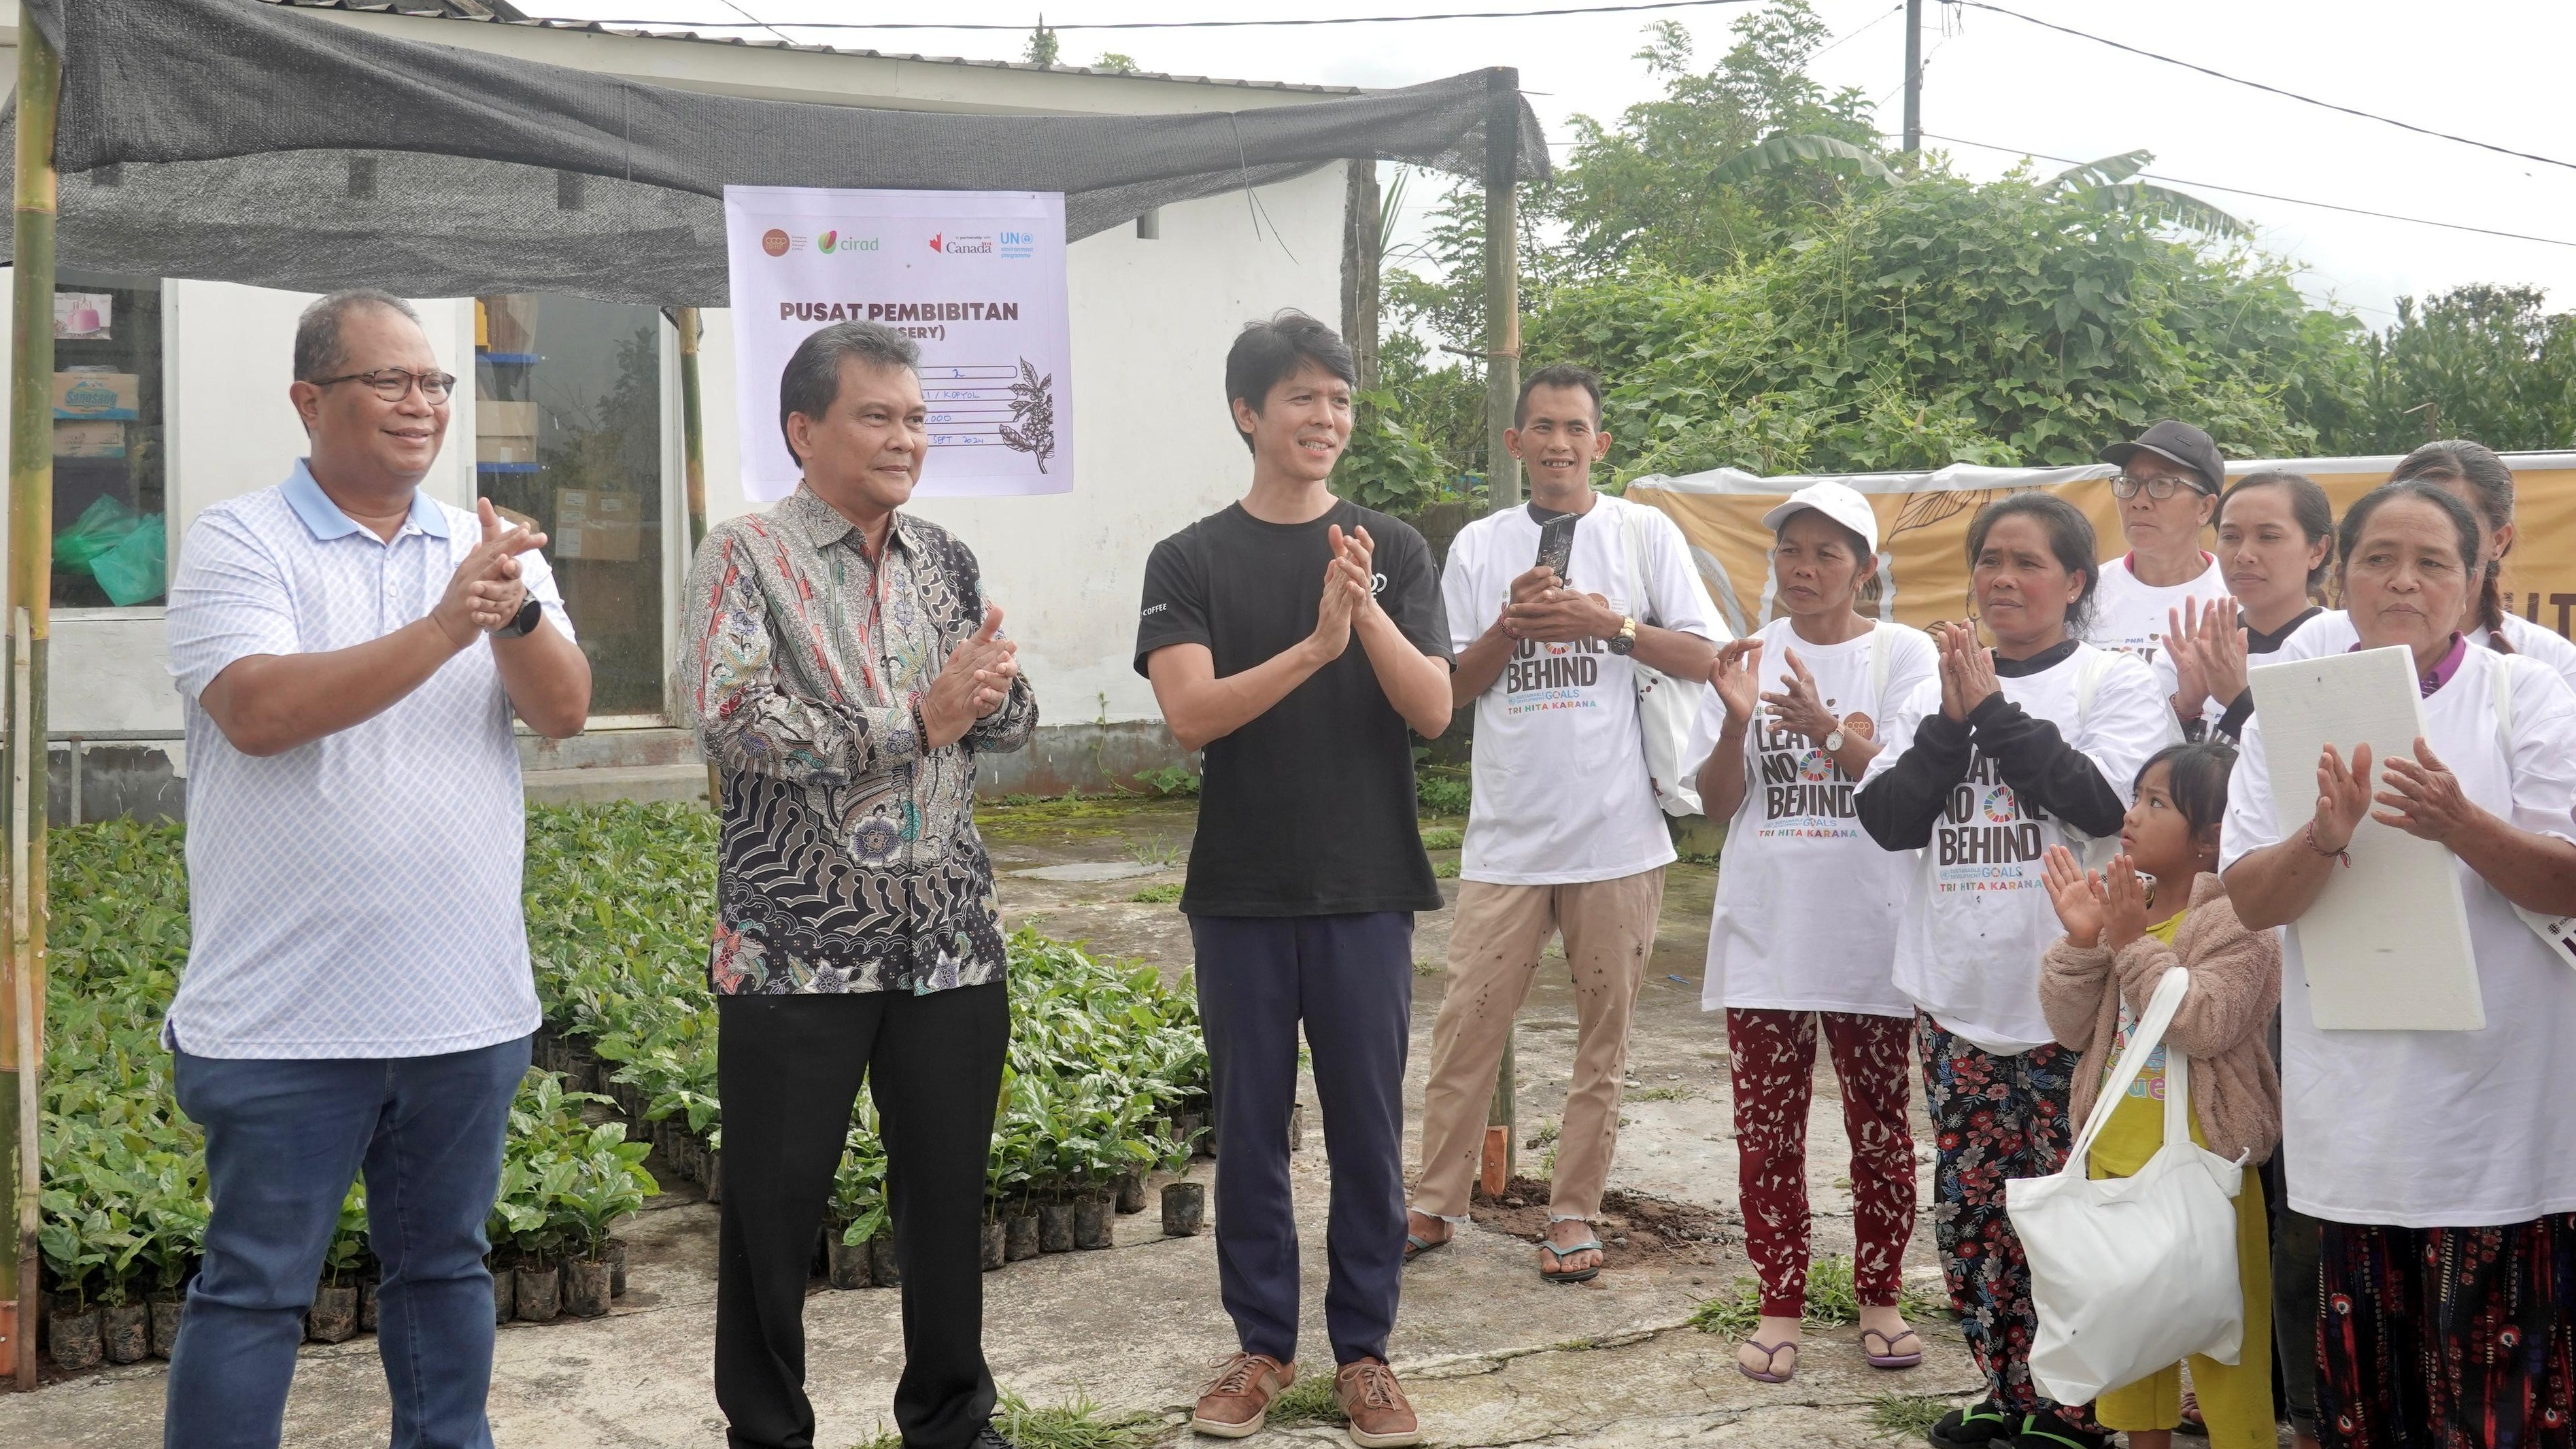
975 277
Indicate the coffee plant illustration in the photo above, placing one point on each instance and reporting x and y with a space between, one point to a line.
1031 429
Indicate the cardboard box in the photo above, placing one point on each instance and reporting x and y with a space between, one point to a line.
504 419
505 450
100 396
89 440
612 542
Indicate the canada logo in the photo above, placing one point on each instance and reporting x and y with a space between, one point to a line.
936 239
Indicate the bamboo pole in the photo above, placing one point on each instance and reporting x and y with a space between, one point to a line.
1502 471
29 592
693 457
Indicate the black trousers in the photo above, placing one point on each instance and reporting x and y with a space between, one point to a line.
788 1068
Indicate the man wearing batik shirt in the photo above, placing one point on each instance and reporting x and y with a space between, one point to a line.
845 671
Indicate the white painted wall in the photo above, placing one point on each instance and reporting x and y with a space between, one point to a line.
1154 448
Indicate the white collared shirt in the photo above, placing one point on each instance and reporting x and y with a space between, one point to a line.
357 896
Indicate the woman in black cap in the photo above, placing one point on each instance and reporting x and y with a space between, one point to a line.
2168 487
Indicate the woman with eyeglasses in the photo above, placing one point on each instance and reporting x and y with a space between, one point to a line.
2167 488
2440 1165
2007 752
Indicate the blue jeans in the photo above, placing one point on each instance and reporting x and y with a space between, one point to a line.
284 1139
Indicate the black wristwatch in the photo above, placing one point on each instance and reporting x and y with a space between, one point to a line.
524 622
1626 639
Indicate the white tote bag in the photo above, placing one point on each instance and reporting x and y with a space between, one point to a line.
1667 708
2132 1274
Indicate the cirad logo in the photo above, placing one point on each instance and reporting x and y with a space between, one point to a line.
774 242
958 246
833 241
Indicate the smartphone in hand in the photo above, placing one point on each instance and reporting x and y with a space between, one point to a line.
1556 545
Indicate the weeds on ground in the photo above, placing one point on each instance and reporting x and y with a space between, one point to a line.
1909 1416
1832 1302
1428 968
1443 837
1170 780
1444 869
1162 854
1545 1134
1662 1094
883 1438
1308 1401
1158 895
1080 1424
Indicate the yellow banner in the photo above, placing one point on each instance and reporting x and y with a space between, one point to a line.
1923 528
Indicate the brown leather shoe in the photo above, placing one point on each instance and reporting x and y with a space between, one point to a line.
1237 1401
1375 1405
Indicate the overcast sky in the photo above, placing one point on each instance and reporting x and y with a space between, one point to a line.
2491 70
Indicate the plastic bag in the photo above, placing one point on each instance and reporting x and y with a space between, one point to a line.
136 570
127 553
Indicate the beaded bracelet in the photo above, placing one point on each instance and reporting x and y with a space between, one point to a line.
2344 855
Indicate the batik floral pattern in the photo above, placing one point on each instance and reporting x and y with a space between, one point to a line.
1771 1058
2447 1338
1998 1118
848 858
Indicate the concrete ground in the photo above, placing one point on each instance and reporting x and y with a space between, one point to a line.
1490 1354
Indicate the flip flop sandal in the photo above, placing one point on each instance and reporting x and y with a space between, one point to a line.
1578 1275
1415 1245
1771 1352
1890 1358
1971 1428
2193 1423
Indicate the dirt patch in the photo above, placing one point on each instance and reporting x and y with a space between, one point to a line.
1635 1230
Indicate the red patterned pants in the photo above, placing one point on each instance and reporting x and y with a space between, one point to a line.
2447 1338
1772 1059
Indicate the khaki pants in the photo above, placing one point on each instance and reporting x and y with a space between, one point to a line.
1609 929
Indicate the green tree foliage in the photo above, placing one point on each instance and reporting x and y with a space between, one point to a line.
1638 194
2480 362
1939 321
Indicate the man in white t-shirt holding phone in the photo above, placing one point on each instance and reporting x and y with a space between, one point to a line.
2167 487
1565 835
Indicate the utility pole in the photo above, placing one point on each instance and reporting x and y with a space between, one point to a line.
1913 77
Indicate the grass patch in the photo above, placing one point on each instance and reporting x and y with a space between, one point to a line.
1308 1401
883 1438
1158 895
1444 870
1908 1415
1162 854
1080 1424
1443 837
1832 1302
1662 1094
1428 968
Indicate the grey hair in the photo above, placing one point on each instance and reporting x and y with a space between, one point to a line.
812 381
317 333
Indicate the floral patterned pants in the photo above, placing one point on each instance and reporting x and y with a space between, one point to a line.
1772 1060
2447 1338
1997 1118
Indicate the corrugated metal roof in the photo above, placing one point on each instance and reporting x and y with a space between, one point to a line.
502 12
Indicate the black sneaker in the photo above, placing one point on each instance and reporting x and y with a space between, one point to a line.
1988 1423
2053 1432
991 1438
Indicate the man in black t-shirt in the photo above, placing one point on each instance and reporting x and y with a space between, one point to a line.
1308 864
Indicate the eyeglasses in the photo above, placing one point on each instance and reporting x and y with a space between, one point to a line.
393 384
2125 486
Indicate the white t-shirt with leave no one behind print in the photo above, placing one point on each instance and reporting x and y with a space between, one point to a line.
1806 901
1561 793
1977 916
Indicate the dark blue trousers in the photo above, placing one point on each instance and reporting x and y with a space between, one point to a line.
283 1141
1350 980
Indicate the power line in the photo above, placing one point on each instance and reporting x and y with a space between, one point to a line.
2265 195
2271 89
756 20
1163 24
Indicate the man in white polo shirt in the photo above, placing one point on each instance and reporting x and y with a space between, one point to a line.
1565 837
357 997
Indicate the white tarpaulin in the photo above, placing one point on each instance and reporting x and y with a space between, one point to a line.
975 277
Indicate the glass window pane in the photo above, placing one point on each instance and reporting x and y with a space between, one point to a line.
111 538
568 435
